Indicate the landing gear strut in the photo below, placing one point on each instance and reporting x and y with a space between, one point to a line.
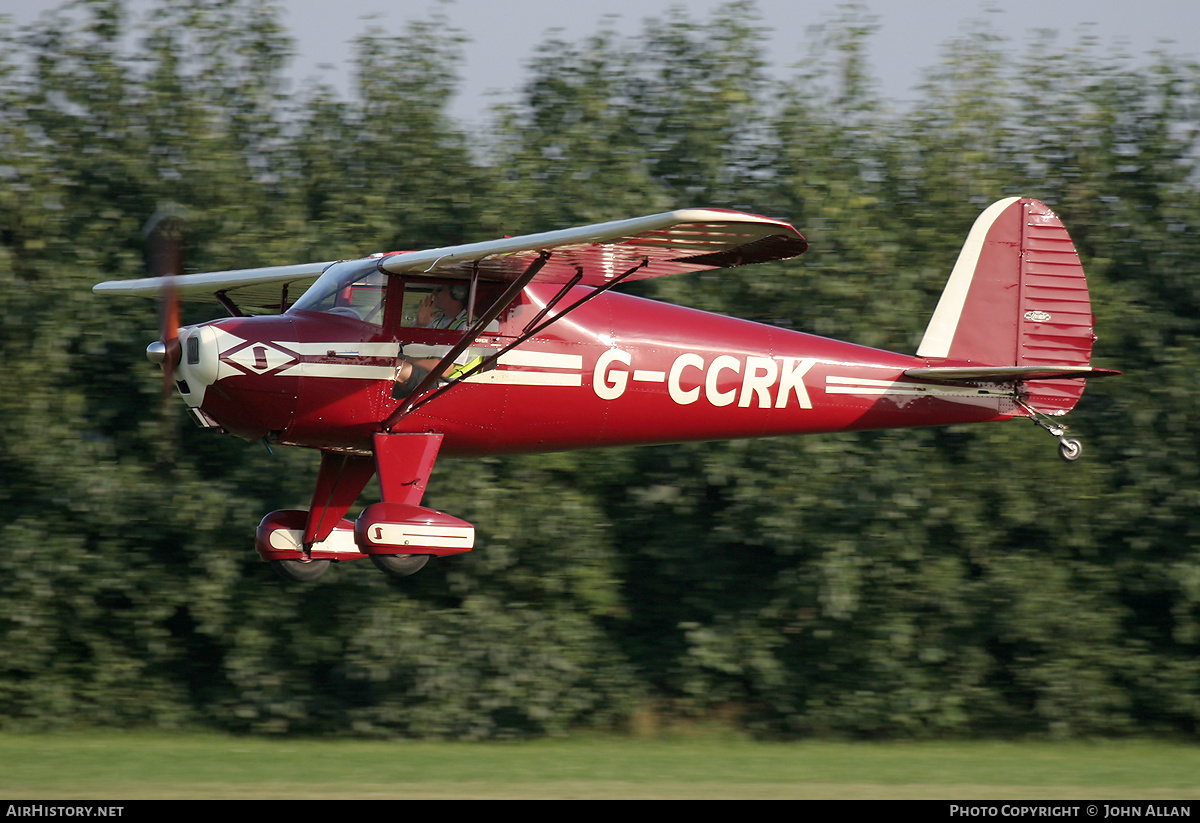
1069 448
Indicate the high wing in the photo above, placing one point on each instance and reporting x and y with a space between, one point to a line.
672 242
255 288
661 244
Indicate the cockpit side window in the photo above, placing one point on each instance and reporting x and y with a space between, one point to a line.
435 304
356 288
443 304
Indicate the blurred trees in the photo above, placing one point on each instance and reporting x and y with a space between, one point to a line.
939 582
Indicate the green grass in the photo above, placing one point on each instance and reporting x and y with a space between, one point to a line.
131 766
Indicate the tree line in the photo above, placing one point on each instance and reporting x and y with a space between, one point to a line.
942 582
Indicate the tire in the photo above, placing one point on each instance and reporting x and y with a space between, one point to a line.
1070 449
300 571
399 565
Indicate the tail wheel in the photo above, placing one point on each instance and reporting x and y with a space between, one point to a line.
300 571
399 565
1070 449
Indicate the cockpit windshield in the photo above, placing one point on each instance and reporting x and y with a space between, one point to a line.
353 288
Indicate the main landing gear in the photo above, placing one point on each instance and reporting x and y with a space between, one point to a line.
398 534
399 538
399 565
1069 448
309 571
300 571
400 529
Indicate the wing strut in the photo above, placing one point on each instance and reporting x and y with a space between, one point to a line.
562 292
464 342
532 328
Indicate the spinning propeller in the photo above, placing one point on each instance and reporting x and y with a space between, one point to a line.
163 237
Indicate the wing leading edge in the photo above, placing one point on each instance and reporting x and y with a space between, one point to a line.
670 243
258 288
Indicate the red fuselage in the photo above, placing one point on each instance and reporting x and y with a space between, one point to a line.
620 370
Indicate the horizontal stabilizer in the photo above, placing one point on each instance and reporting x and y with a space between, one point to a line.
1005 374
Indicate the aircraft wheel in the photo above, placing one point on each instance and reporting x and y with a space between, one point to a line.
1070 449
399 565
300 571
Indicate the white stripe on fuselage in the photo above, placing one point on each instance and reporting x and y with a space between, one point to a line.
511 377
323 359
767 382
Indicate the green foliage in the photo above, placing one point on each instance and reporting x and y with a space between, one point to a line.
927 583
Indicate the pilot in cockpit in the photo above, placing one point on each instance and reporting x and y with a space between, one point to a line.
444 308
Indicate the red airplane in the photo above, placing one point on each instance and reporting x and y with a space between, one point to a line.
518 345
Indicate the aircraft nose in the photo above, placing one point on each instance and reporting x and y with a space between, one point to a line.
198 364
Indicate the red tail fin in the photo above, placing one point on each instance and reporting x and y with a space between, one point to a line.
1016 297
